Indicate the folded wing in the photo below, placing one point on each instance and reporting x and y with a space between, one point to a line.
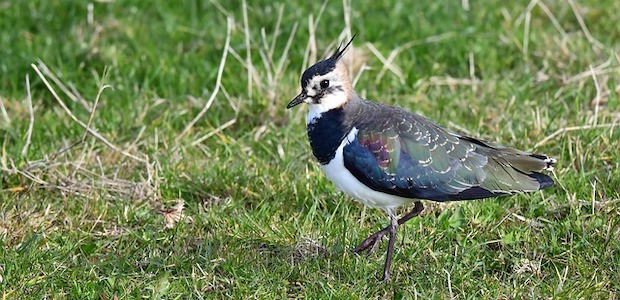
415 158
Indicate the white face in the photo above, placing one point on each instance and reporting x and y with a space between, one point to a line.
326 92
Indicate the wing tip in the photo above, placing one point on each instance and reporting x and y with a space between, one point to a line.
549 161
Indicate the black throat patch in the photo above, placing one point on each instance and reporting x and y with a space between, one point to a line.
326 133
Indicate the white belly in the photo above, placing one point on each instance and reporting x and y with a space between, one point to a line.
346 182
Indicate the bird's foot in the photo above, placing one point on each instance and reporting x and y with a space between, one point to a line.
371 242
386 277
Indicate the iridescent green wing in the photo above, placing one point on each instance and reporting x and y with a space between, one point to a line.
412 157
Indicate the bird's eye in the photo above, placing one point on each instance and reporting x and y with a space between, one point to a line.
324 84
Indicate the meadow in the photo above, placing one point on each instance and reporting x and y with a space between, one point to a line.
146 151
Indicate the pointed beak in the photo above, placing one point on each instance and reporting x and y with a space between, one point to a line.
298 100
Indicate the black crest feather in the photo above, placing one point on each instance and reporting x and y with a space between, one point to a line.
339 53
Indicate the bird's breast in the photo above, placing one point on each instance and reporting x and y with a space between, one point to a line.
326 133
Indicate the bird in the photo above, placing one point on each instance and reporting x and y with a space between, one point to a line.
387 157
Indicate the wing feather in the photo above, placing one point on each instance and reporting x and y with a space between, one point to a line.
410 156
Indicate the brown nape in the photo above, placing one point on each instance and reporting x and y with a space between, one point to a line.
343 74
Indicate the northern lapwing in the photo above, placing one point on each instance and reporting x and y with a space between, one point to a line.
387 157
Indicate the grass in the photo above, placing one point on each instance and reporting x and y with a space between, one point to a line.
234 205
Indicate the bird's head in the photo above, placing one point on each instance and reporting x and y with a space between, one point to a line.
326 84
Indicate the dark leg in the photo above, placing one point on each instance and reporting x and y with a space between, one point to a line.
373 240
390 251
